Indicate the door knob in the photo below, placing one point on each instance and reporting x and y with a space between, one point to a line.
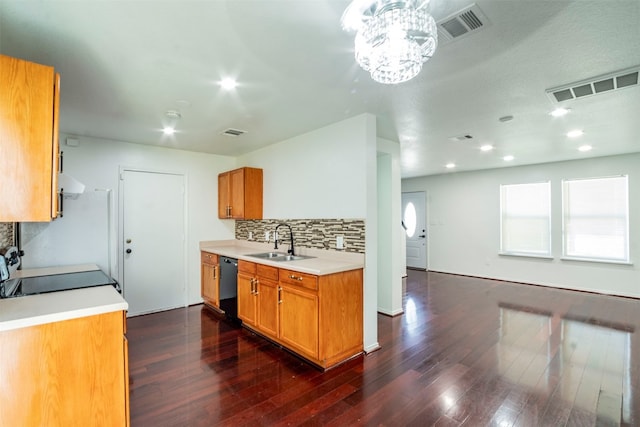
128 251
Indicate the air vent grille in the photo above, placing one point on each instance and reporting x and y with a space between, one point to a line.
600 84
462 23
233 132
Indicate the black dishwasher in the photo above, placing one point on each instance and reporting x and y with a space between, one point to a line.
229 287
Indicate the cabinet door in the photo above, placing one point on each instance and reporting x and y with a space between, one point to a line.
247 299
224 196
268 307
28 145
299 320
236 184
210 284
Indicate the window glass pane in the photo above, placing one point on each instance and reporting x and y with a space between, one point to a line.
525 218
410 219
596 218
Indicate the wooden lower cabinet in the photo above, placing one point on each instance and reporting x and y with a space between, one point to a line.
67 373
317 317
299 320
210 279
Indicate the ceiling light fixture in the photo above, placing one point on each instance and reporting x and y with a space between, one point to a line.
172 117
228 83
508 158
393 37
559 112
486 147
585 148
575 133
450 165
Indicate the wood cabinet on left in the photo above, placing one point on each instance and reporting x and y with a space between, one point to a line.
68 373
210 279
29 151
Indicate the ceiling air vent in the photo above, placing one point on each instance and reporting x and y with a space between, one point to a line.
595 85
233 132
462 23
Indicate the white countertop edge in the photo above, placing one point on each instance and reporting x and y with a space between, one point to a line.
322 263
33 310
49 271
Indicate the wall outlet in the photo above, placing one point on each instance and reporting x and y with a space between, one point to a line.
266 236
339 242
251 235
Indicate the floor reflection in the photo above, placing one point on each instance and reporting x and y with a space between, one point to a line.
581 361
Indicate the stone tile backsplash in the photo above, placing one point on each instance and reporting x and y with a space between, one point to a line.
6 234
307 233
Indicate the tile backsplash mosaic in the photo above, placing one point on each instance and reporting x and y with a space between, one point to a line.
6 234
307 233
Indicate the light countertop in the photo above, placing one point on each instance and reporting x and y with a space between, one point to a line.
32 310
323 262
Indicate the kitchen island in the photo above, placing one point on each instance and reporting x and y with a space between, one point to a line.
64 358
311 306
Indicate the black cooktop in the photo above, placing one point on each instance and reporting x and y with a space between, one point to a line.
57 282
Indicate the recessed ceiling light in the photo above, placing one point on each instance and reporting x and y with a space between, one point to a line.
575 133
585 148
508 158
559 112
168 131
450 165
486 147
228 83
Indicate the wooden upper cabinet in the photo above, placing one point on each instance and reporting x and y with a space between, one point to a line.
29 107
240 194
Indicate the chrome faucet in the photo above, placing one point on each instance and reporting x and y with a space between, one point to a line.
291 250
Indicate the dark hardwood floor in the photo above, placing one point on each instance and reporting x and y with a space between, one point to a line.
466 351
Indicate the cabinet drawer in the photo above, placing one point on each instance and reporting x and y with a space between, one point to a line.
296 278
208 258
267 272
246 267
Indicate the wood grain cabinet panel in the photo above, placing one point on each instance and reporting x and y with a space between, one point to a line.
67 373
210 279
240 194
29 109
299 320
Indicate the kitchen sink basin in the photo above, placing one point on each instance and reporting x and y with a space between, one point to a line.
280 257
268 255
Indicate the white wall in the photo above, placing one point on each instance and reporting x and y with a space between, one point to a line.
464 226
320 174
80 236
327 173
390 266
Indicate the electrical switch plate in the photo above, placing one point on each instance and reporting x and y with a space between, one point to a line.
266 236
339 242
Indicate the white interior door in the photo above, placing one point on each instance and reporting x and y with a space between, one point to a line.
153 241
414 218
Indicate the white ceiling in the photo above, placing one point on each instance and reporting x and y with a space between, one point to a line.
123 64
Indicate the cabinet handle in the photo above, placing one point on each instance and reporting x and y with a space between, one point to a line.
61 203
279 295
252 283
298 278
257 282
61 162
215 267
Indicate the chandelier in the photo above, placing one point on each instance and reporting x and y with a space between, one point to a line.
393 38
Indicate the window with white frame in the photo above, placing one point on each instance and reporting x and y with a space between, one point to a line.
525 219
596 219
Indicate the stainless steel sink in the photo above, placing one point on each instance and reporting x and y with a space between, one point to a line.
279 256
268 255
